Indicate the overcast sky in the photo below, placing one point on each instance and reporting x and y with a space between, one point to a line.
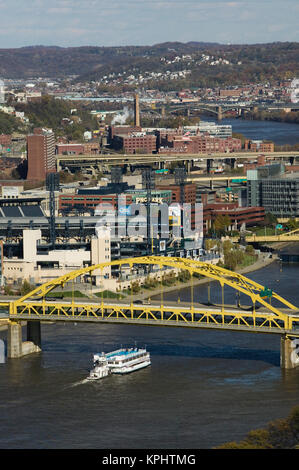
146 22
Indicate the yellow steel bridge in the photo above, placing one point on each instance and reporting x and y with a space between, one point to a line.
272 314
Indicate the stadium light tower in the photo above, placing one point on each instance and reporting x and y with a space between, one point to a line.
52 185
148 183
180 179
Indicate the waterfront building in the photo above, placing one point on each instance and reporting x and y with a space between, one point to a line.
222 131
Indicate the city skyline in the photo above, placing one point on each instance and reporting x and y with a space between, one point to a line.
68 23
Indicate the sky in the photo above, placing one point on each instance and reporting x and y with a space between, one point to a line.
146 22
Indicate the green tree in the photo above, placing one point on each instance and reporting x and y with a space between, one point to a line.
135 287
26 287
227 246
221 223
249 250
292 224
279 434
270 220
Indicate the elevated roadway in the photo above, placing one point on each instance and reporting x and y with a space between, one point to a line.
63 161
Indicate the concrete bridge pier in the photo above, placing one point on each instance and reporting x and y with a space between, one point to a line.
289 352
16 348
14 340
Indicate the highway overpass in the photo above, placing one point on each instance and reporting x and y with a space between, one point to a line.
99 160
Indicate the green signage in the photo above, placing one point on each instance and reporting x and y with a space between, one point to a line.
266 292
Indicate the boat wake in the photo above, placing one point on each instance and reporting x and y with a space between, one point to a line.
81 382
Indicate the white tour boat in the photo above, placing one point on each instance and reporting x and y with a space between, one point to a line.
124 360
120 361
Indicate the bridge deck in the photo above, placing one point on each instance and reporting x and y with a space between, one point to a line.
174 314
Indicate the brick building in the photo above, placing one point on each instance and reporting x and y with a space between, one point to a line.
122 130
88 202
189 192
40 154
238 215
90 148
259 146
200 144
134 143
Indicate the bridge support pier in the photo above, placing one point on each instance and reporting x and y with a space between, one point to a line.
289 358
14 340
16 348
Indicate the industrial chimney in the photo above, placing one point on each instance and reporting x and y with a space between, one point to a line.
136 111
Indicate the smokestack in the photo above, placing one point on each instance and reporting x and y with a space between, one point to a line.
136 111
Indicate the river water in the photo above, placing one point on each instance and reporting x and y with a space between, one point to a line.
280 133
203 388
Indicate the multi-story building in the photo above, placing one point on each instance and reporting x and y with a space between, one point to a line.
136 142
240 217
121 130
259 146
278 193
281 197
201 144
90 148
40 154
88 199
222 131
189 195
